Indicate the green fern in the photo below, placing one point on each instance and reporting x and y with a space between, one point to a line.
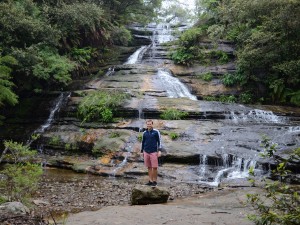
6 93
295 98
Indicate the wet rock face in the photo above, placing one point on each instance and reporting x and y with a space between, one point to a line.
225 135
143 195
212 137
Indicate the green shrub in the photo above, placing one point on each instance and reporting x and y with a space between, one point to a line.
82 55
81 19
54 140
121 36
100 105
173 135
140 137
53 66
173 114
206 76
114 135
210 98
70 146
246 98
221 56
107 115
191 37
228 99
295 98
6 85
182 56
229 79
162 132
280 203
21 177
45 64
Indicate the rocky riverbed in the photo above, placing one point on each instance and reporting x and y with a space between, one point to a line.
63 191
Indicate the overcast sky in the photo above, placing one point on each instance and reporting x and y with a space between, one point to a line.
186 3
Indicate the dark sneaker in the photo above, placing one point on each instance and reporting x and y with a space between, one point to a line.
154 184
149 183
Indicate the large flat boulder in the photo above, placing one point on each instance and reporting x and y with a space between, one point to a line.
144 195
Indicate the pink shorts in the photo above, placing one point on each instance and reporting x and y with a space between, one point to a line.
151 159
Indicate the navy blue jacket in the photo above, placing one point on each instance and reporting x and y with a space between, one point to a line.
151 141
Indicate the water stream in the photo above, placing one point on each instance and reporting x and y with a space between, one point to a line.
173 86
136 56
231 136
228 167
59 102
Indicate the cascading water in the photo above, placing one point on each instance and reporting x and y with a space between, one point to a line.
127 152
58 103
136 56
203 166
173 86
256 115
163 34
237 169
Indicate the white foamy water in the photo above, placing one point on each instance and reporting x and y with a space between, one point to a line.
294 129
162 34
257 115
173 86
133 59
56 107
238 169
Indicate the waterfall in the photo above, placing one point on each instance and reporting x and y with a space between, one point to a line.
137 55
256 115
225 160
238 169
294 129
163 33
58 103
119 166
173 86
203 165
141 116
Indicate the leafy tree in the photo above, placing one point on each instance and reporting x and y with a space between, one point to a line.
280 204
266 33
23 24
81 23
6 93
45 64
124 12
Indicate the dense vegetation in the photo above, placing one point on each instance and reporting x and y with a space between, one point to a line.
266 34
100 106
44 44
280 203
21 175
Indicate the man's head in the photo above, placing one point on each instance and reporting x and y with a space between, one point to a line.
149 124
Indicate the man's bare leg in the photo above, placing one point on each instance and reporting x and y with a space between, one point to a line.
150 174
154 174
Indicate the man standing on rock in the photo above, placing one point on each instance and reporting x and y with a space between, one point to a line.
151 150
